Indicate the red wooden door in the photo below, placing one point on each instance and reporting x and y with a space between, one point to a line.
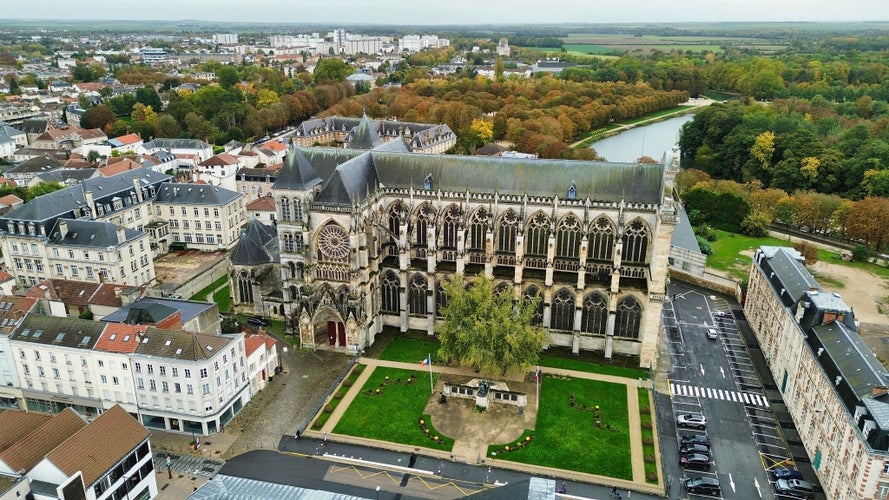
331 332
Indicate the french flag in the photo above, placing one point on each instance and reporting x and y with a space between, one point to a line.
426 361
537 375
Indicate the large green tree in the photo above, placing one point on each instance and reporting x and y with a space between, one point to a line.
331 70
487 330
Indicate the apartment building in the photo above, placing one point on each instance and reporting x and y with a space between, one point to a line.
169 379
835 388
203 217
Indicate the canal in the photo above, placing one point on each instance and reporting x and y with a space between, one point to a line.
647 140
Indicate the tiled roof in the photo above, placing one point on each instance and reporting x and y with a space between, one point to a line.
16 424
4 276
119 166
262 204
75 293
96 448
66 332
12 309
273 145
222 159
190 194
30 450
181 345
120 338
10 200
253 342
128 139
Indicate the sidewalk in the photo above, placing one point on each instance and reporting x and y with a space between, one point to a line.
637 457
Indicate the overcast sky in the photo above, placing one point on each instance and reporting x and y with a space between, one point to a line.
453 11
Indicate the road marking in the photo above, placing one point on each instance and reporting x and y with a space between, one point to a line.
746 398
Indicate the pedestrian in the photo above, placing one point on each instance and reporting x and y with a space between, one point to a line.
324 436
297 434
222 427
613 490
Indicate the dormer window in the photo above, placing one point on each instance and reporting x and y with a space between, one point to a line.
572 191
427 182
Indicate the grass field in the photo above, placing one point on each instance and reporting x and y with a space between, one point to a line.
567 437
207 290
410 350
389 408
588 49
585 366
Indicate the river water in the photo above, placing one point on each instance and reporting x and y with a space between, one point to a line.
647 140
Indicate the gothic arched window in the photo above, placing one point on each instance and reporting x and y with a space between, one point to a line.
449 225
628 319
478 228
635 241
595 314
424 214
285 209
532 293
297 209
601 239
563 311
568 236
417 295
537 235
389 285
507 232
287 238
395 214
441 298
245 288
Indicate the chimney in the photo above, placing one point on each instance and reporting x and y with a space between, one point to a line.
121 234
878 390
63 227
91 203
138 189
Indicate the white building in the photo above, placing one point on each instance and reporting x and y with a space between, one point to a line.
203 217
262 360
218 170
225 38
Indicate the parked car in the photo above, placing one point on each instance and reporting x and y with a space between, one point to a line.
697 461
258 321
705 485
712 334
694 439
694 420
694 448
785 473
795 488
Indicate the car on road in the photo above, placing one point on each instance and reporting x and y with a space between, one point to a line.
712 334
697 461
694 439
258 321
705 485
785 473
795 488
694 448
694 420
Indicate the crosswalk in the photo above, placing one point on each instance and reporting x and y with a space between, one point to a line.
747 398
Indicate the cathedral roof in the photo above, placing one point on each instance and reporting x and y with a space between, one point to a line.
364 135
258 244
297 172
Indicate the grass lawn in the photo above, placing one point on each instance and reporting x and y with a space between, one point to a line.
223 299
207 290
338 396
567 437
586 366
393 414
410 350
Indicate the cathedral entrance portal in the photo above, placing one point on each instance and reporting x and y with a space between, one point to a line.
336 333
329 329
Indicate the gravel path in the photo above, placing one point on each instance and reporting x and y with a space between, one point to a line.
286 402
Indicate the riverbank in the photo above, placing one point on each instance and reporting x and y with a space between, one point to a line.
690 106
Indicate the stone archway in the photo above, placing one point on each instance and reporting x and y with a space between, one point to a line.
328 329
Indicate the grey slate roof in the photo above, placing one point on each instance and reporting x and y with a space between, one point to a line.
363 136
188 309
600 181
298 172
66 332
257 245
91 233
166 143
224 487
63 201
856 362
148 314
68 174
791 279
195 194
683 234
37 164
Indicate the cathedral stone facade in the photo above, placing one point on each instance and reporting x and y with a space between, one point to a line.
367 237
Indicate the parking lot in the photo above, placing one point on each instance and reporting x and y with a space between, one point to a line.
716 378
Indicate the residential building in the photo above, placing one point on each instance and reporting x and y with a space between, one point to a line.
364 133
78 298
195 148
203 217
25 171
225 38
262 360
367 236
68 137
63 456
414 43
263 209
170 314
124 144
218 170
20 138
255 182
12 310
835 389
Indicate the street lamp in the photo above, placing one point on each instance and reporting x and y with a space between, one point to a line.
378 493
126 483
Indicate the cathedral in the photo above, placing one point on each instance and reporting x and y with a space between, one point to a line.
367 236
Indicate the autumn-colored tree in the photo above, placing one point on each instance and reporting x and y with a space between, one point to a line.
868 221
97 117
482 131
808 251
688 178
763 149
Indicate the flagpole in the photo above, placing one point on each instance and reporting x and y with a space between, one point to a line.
431 388
537 384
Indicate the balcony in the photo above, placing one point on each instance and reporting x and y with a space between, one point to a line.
535 262
477 257
506 259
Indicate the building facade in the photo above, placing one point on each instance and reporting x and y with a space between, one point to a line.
367 237
834 387
203 217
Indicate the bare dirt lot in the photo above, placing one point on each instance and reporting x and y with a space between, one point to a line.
866 294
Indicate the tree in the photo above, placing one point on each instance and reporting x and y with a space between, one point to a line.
488 331
97 117
868 221
809 252
147 95
482 131
167 126
228 77
331 70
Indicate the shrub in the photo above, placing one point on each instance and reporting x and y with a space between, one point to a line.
648 441
862 253
328 409
644 410
649 459
646 426
347 383
651 476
